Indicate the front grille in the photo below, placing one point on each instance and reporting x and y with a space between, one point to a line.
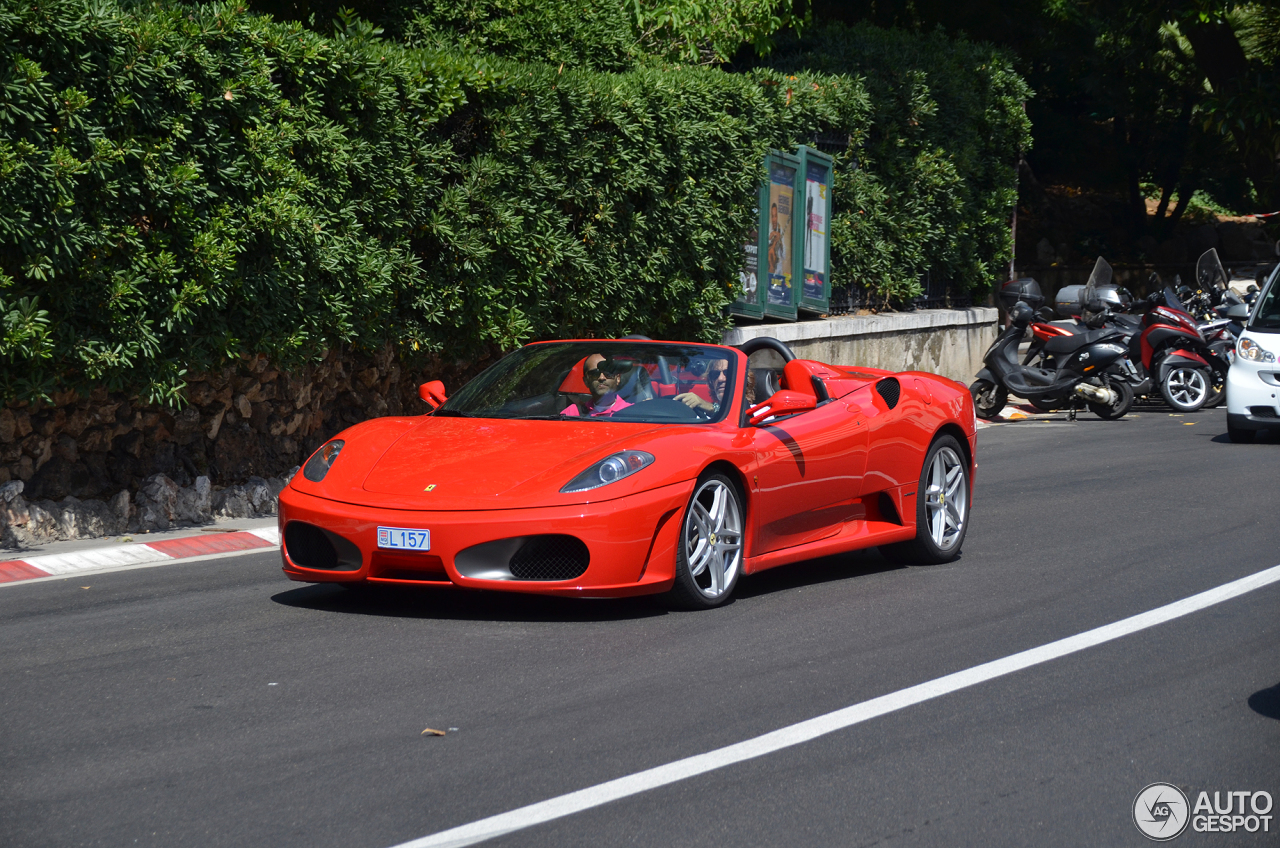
550 558
1263 412
890 389
309 547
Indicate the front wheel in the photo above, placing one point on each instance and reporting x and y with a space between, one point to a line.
1186 389
709 556
942 507
1117 409
1239 435
988 398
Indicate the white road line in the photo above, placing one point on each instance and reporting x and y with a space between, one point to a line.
786 737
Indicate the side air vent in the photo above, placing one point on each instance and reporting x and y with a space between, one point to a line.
310 546
890 389
550 558
1262 411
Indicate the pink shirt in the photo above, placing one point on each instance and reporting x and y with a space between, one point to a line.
617 405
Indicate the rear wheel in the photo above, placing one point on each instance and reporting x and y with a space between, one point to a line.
1122 404
988 398
1186 389
709 555
1217 390
942 507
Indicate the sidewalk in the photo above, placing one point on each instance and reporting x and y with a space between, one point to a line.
143 549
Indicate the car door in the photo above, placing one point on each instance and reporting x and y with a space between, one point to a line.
808 476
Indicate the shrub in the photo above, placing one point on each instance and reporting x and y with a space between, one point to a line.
180 186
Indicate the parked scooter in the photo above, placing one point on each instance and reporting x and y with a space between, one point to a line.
1080 377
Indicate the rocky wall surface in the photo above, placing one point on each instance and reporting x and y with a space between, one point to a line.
75 464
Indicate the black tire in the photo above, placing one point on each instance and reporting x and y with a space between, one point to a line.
1124 402
925 549
988 399
1186 389
1217 390
1239 435
709 553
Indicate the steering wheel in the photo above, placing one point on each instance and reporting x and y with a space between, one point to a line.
750 346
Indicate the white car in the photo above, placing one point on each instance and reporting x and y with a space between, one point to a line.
1253 382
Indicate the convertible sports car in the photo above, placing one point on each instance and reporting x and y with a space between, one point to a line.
609 468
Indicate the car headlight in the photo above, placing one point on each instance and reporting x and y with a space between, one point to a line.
1252 351
322 460
609 470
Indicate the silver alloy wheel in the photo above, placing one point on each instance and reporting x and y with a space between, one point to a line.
713 538
1188 387
945 498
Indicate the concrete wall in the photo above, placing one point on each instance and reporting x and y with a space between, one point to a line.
949 342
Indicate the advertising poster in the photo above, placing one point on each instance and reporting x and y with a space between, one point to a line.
778 256
816 209
749 275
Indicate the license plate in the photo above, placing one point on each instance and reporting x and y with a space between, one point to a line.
404 539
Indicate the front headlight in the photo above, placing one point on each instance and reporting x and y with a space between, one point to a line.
322 460
609 470
1252 351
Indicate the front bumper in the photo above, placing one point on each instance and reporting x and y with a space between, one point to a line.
1253 394
631 541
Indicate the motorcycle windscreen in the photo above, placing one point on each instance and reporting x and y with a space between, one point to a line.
1100 276
1210 275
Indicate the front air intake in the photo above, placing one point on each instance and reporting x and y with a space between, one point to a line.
550 558
309 546
889 389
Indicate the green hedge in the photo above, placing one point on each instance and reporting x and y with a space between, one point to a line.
180 185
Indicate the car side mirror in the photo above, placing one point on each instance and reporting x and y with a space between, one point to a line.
432 393
785 402
1238 312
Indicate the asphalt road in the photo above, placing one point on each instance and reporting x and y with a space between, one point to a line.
215 703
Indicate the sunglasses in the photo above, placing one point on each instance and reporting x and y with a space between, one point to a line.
606 371
715 374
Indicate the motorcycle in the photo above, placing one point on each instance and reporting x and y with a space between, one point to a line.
1165 350
1080 374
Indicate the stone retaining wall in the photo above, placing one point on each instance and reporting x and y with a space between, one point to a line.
949 342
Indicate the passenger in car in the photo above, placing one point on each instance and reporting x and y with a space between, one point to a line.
603 376
717 384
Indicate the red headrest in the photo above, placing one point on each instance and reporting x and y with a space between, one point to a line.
797 376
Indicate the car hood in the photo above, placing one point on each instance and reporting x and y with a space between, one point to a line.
467 463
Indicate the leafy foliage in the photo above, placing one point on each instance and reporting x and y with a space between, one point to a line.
180 185
935 181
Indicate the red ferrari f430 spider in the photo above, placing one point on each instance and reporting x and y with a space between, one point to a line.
610 468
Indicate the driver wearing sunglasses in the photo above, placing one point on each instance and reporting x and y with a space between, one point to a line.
603 376
717 382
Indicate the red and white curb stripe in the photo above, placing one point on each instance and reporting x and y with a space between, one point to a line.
162 550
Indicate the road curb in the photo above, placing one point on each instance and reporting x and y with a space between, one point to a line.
161 550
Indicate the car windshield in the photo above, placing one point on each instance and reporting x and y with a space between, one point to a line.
1266 314
606 381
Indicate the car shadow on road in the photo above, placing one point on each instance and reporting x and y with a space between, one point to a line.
815 572
1266 702
469 605
463 604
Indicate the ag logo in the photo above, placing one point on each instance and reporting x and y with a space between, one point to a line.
1160 811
